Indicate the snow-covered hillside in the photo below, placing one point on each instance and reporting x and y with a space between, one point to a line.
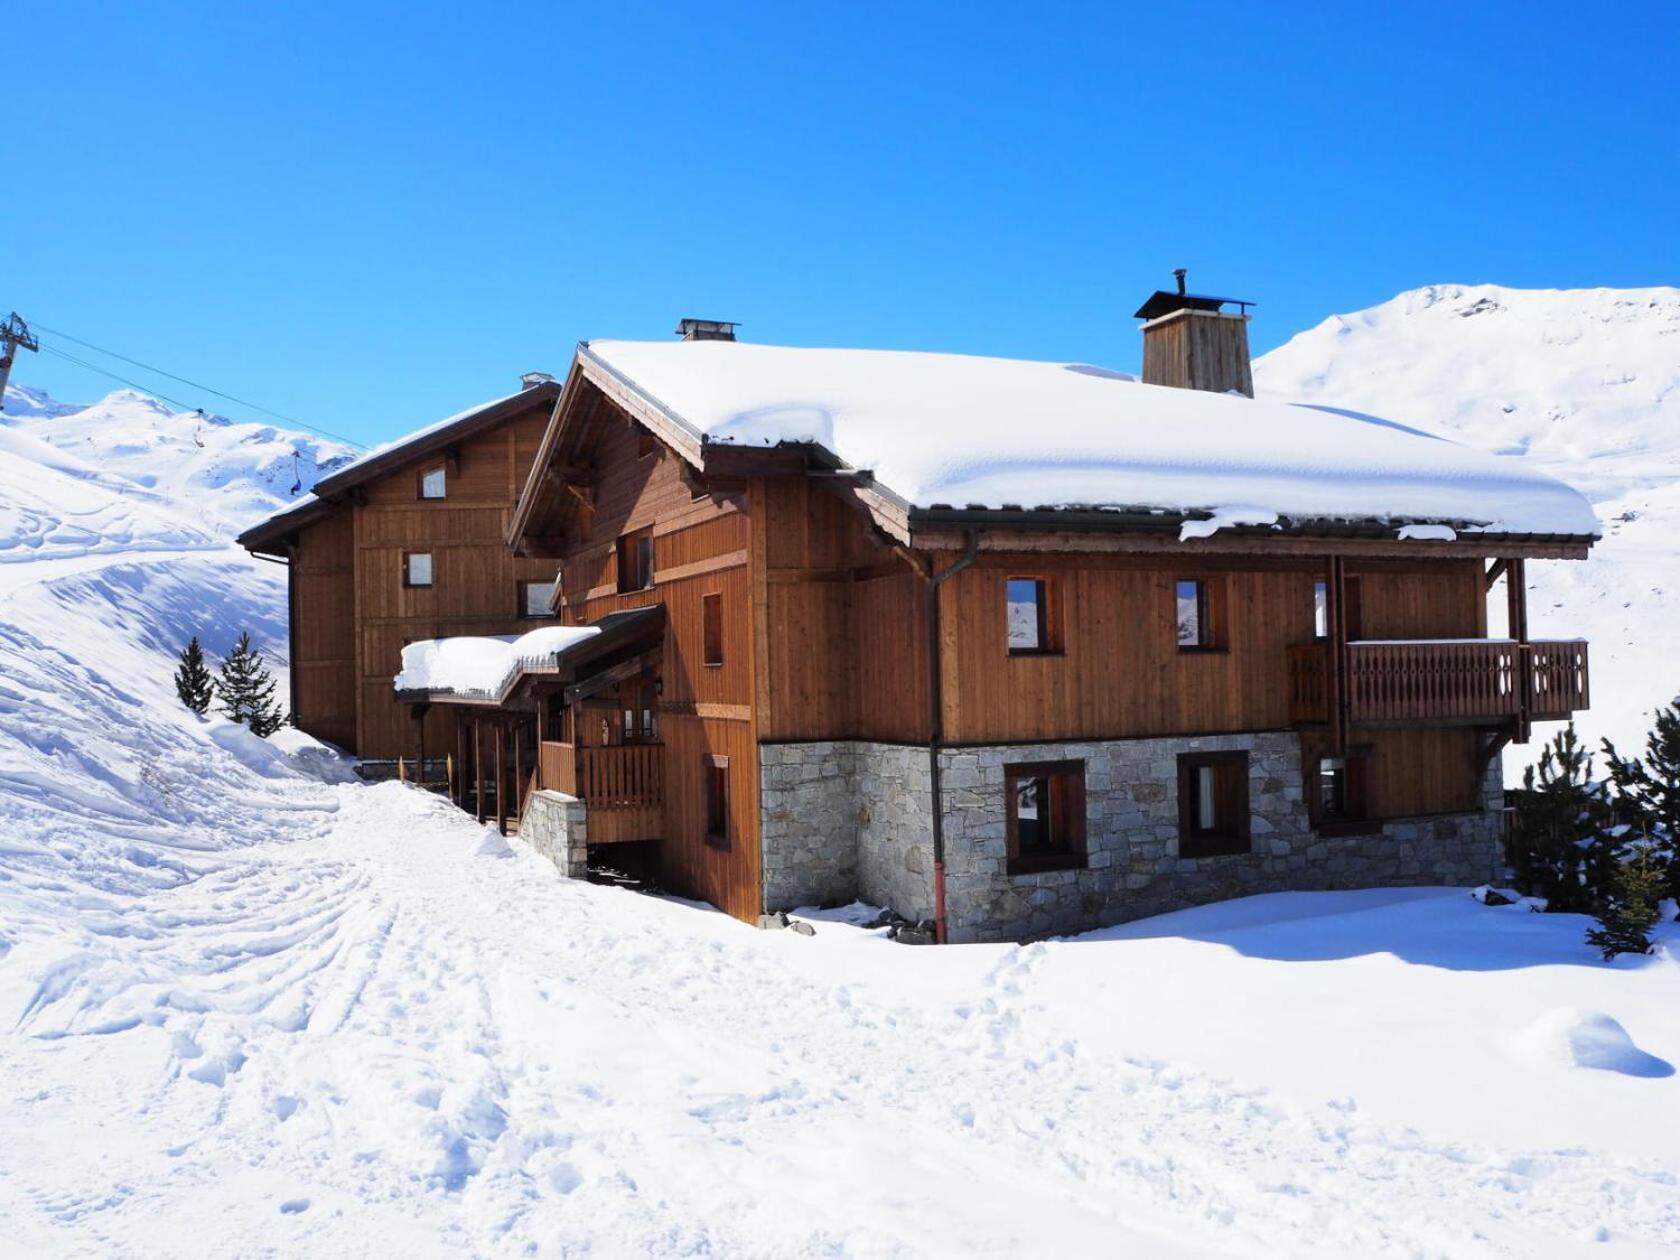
217 475
1583 382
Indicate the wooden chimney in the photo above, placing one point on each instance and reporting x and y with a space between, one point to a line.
706 330
1190 341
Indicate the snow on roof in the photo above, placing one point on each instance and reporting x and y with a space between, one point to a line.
964 431
483 666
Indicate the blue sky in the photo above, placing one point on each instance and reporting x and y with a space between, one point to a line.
368 216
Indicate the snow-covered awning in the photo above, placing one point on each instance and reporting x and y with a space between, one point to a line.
483 668
957 431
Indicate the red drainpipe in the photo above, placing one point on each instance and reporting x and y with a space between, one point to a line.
936 727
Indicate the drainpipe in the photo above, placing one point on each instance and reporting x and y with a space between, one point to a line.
936 726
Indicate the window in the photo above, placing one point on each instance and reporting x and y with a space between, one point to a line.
432 484
536 599
1045 822
1321 609
714 777
640 712
1029 627
1337 791
711 629
417 568
635 561
1199 613
1212 803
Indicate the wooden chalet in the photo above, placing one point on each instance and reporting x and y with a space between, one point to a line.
404 544
852 635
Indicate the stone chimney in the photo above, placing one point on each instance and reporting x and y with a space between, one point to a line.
706 330
1190 341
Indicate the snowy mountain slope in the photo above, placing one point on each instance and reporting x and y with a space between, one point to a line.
218 473
1583 382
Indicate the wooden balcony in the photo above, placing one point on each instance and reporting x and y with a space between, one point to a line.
1441 682
622 785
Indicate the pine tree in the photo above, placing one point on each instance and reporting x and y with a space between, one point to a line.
192 679
1648 791
1630 911
247 689
1558 847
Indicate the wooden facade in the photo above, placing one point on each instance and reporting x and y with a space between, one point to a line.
791 601
353 610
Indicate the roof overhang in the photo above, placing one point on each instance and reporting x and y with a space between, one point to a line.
623 635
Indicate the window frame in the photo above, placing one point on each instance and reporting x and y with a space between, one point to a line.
1356 816
714 800
1210 614
1321 599
632 542
408 571
1049 637
1065 789
441 470
1232 839
711 630
524 587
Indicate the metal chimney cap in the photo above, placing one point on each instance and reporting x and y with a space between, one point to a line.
530 380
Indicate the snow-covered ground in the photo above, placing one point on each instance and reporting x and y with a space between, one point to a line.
252 1008
1583 384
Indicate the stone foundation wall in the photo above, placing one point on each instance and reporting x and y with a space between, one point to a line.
844 819
556 826
1133 868
852 819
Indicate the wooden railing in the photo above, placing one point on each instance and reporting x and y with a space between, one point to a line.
557 767
1558 677
624 776
1441 680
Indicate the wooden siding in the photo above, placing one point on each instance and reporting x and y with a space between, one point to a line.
1410 772
700 547
475 578
324 647
1198 351
1120 672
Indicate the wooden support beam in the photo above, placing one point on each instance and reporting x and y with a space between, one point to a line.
1516 605
1494 572
478 768
1335 589
501 792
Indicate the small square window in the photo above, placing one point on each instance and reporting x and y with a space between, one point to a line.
417 568
536 599
1338 792
714 778
711 630
1212 804
1045 823
635 561
1028 626
433 484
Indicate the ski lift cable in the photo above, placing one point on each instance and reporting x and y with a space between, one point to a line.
243 402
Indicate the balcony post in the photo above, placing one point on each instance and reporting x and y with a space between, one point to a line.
1336 666
1516 611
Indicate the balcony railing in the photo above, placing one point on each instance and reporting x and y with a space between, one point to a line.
1442 680
621 784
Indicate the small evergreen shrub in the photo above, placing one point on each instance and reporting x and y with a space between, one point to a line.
193 683
1630 907
1558 847
247 689
1648 793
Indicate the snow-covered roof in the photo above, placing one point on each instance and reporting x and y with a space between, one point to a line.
949 430
483 667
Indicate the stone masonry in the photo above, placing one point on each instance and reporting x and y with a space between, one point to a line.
554 825
842 820
851 819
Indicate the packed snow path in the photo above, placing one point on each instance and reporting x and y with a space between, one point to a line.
403 1034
